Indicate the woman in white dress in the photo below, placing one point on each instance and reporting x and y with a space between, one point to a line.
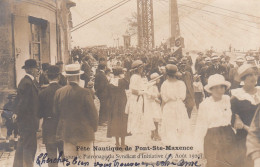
138 124
175 120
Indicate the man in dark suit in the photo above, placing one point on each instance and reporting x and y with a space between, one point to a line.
26 109
216 67
187 78
76 113
87 71
62 79
50 121
101 83
203 71
43 80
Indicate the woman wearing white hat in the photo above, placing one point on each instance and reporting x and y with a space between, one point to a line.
244 103
213 128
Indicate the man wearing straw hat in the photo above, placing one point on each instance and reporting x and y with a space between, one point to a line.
77 115
233 74
216 67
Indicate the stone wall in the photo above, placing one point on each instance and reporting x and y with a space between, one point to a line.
15 37
7 61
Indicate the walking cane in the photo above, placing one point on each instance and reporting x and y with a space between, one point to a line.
94 152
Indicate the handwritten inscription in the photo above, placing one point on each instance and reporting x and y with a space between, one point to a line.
169 161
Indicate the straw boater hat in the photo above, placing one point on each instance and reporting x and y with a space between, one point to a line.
172 60
216 80
214 57
250 58
246 69
207 59
240 59
137 64
154 75
72 69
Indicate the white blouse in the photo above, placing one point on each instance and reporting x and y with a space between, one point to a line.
137 83
213 114
173 90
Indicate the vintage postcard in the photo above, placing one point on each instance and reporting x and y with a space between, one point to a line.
140 83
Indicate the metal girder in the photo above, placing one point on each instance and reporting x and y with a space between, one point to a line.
145 24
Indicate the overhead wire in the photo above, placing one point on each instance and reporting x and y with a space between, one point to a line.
229 22
246 14
95 17
225 28
99 13
219 14
197 8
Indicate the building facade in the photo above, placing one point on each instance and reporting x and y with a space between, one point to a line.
38 29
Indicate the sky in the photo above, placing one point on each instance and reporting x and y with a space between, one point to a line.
202 26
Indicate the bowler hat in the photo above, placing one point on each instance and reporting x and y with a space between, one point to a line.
59 63
30 63
45 66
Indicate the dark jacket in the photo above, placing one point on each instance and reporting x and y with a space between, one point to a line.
117 119
101 84
203 75
76 112
50 122
87 73
26 105
62 80
217 70
253 138
43 79
190 98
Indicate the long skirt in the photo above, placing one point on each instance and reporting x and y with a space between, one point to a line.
175 124
220 147
139 121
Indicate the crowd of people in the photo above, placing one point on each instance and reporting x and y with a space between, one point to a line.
148 95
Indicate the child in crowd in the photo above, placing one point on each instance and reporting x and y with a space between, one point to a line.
153 99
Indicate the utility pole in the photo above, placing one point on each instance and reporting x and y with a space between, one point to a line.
145 24
174 21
